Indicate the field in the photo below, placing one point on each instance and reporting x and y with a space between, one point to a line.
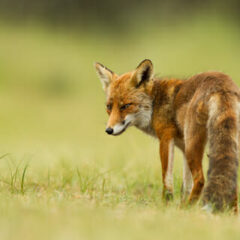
61 176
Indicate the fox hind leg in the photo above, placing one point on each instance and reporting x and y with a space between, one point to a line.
187 180
195 139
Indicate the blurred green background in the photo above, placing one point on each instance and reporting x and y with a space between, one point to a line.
61 176
48 85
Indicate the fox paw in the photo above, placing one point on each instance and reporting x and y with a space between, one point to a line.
207 208
167 195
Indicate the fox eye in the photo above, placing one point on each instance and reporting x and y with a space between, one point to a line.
109 107
123 107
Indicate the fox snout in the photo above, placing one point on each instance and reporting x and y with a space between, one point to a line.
119 127
109 131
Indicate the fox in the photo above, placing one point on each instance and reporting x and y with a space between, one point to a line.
186 113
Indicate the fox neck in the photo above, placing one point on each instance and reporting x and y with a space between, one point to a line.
148 130
145 121
145 115
158 103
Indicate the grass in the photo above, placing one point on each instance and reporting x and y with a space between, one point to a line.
61 176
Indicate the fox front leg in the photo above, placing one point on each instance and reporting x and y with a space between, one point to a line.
167 157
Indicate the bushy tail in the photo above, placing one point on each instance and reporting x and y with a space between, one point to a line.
221 189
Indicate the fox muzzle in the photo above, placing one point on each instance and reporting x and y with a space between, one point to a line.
109 131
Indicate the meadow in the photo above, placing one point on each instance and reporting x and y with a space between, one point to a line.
61 176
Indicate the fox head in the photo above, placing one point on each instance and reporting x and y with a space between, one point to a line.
128 97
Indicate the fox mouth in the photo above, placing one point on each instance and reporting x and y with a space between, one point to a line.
123 130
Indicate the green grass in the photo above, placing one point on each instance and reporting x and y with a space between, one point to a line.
61 176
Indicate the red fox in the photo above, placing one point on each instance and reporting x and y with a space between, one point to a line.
187 114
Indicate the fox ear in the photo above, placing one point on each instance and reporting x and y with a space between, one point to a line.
105 75
143 73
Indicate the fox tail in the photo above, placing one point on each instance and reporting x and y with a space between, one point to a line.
221 189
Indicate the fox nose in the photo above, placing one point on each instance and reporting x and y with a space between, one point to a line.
109 130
